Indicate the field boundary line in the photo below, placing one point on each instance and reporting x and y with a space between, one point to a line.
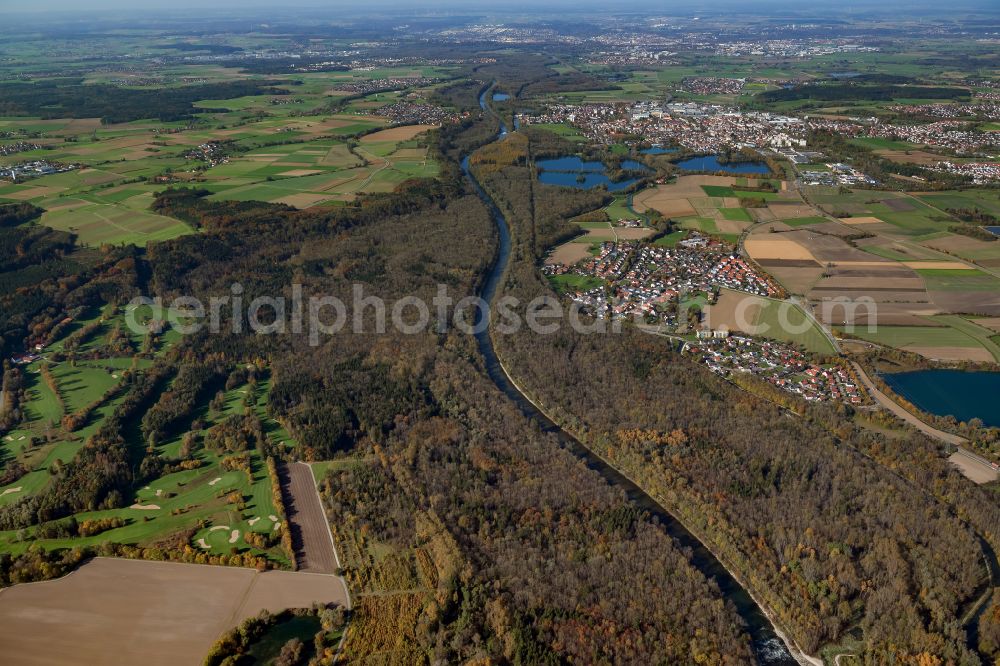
329 532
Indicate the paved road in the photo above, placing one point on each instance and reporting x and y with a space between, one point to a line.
978 469
311 537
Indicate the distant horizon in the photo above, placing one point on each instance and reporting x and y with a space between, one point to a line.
687 7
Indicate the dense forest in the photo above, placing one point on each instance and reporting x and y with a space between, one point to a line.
836 92
71 98
831 540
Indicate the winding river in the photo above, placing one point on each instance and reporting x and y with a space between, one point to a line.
768 647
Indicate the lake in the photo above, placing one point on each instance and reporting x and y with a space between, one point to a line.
500 97
566 172
658 150
711 163
964 395
571 163
993 230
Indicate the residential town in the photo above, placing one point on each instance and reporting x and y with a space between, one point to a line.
778 364
649 280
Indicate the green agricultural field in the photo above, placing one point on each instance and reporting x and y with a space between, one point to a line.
562 129
985 337
943 279
97 224
916 336
987 201
718 191
568 282
785 321
736 214
620 210
671 239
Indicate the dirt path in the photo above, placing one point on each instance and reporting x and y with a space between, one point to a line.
311 538
977 469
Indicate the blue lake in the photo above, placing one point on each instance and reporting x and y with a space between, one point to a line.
658 150
566 172
711 163
964 395
993 230
590 180
572 163
632 165
500 97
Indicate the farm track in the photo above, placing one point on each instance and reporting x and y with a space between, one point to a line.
310 532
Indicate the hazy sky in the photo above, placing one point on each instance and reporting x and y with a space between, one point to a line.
494 6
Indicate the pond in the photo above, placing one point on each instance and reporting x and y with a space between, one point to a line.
570 163
590 180
658 150
711 163
500 97
993 230
573 171
964 395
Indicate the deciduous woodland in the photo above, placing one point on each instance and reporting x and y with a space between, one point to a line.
833 527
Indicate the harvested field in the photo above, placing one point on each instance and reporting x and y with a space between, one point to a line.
403 133
992 323
790 210
920 157
303 200
568 253
298 172
780 248
939 265
899 205
633 233
672 200
734 310
861 220
310 531
977 354
788 263
114 611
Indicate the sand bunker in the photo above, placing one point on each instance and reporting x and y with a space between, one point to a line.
11 491
234 536
215 481
203 544
145 507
